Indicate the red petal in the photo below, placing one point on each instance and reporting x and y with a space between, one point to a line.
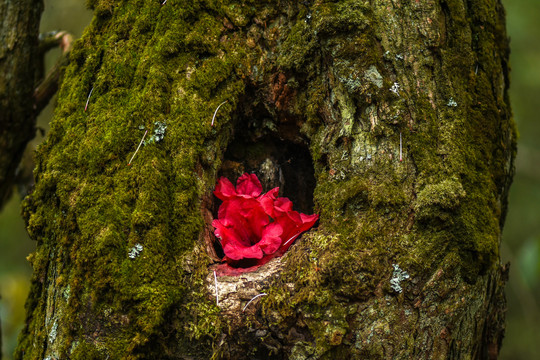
271 240
246 215
308 220
288 242
267 201
283 204
228 234
236 252
290 226
294 224
248 185
256 220
248 238
224 189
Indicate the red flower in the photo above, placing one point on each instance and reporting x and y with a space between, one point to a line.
255 228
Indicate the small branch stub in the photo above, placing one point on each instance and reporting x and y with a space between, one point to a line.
215 112
88 100
400 148
217 292
249 302
138 147
291 238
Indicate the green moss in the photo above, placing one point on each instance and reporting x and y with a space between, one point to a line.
85 350
437 199
299 46
85 186
240 13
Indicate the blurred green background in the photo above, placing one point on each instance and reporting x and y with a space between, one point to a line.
521 238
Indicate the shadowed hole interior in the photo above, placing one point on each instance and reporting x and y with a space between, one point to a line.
276 153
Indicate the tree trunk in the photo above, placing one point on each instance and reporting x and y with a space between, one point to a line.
18 70
390 119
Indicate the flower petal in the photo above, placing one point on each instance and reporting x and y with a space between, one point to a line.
248 185
246 216
224 189
308 221
293 224
254 228
267 201
236 252
271 240
227 233
283 204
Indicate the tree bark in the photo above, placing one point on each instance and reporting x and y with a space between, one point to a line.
18 70
390 119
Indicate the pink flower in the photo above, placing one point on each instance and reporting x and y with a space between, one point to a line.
255 228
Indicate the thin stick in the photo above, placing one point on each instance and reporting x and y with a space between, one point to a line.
215 112
88 100
400 148
293 237
163 3
217 293
249 302
138 147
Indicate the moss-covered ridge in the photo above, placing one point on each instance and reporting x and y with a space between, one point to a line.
147 65
438 213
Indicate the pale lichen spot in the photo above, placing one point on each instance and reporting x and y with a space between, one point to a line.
135 251
397 277
373 76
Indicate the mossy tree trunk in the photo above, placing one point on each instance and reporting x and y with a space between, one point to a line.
390 119
19 67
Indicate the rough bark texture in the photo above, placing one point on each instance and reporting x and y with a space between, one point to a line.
19 29
405 261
